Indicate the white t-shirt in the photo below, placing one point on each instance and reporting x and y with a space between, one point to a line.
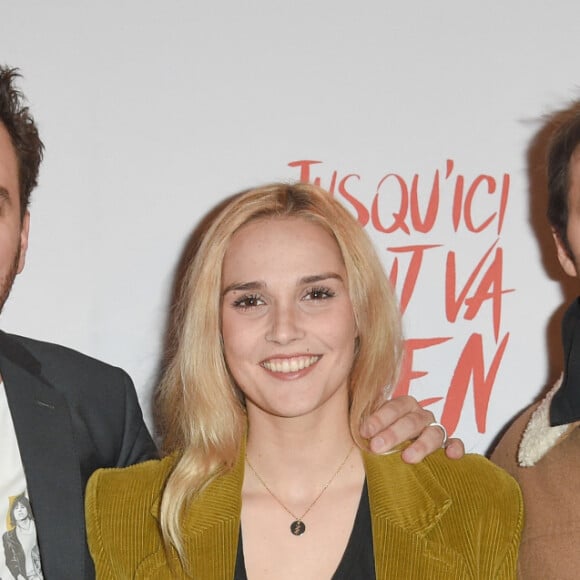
19 555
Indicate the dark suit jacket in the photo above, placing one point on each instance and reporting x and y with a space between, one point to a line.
72 415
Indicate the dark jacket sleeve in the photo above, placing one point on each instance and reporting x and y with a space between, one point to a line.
137 444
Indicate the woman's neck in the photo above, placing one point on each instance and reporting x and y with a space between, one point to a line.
299 451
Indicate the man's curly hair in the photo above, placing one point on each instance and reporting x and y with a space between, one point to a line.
19 123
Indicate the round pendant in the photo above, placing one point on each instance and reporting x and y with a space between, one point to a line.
297 527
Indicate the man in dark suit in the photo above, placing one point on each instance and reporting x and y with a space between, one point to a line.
62 414
72 414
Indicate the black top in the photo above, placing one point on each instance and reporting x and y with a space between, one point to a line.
357 562
565 406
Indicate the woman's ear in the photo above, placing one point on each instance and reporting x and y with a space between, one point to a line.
566 261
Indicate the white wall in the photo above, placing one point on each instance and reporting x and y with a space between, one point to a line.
152 112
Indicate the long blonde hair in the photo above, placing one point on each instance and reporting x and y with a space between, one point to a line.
201 412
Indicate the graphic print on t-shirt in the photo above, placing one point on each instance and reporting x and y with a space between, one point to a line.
21 555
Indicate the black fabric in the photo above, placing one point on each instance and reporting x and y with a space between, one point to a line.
72 415
565 406
358 561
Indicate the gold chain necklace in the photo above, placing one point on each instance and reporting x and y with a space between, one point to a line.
297 527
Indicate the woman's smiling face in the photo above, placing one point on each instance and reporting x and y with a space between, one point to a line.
288 325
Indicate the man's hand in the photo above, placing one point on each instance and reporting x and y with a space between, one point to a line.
402 419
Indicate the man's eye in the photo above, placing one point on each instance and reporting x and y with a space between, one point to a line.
321 293
248 301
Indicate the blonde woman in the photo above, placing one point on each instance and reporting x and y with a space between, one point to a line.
267 475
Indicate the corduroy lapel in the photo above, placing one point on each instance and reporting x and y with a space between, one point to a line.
212 525
406 503
210 530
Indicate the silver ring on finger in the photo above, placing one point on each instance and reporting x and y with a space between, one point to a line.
443 430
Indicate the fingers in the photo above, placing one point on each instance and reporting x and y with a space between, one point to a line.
431 438
397 421
455 448
429 442
402 419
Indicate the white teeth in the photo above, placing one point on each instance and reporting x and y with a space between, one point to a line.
289 365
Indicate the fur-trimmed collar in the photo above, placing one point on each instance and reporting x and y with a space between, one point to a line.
539 436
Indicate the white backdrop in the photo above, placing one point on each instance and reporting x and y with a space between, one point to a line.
152 112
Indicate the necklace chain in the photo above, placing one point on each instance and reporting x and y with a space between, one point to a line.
297 527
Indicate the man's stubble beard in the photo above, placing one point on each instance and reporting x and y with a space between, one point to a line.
8 281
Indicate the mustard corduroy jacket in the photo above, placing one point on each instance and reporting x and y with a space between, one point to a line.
440 519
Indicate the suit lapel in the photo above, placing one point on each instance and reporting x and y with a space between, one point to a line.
45 437
212 525
210 531
406 503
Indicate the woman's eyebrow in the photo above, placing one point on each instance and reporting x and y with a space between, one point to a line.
260 285
320 277
244 286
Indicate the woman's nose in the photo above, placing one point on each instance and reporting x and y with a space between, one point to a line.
285 324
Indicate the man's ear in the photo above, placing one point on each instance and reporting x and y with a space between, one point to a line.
566 261
23 240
